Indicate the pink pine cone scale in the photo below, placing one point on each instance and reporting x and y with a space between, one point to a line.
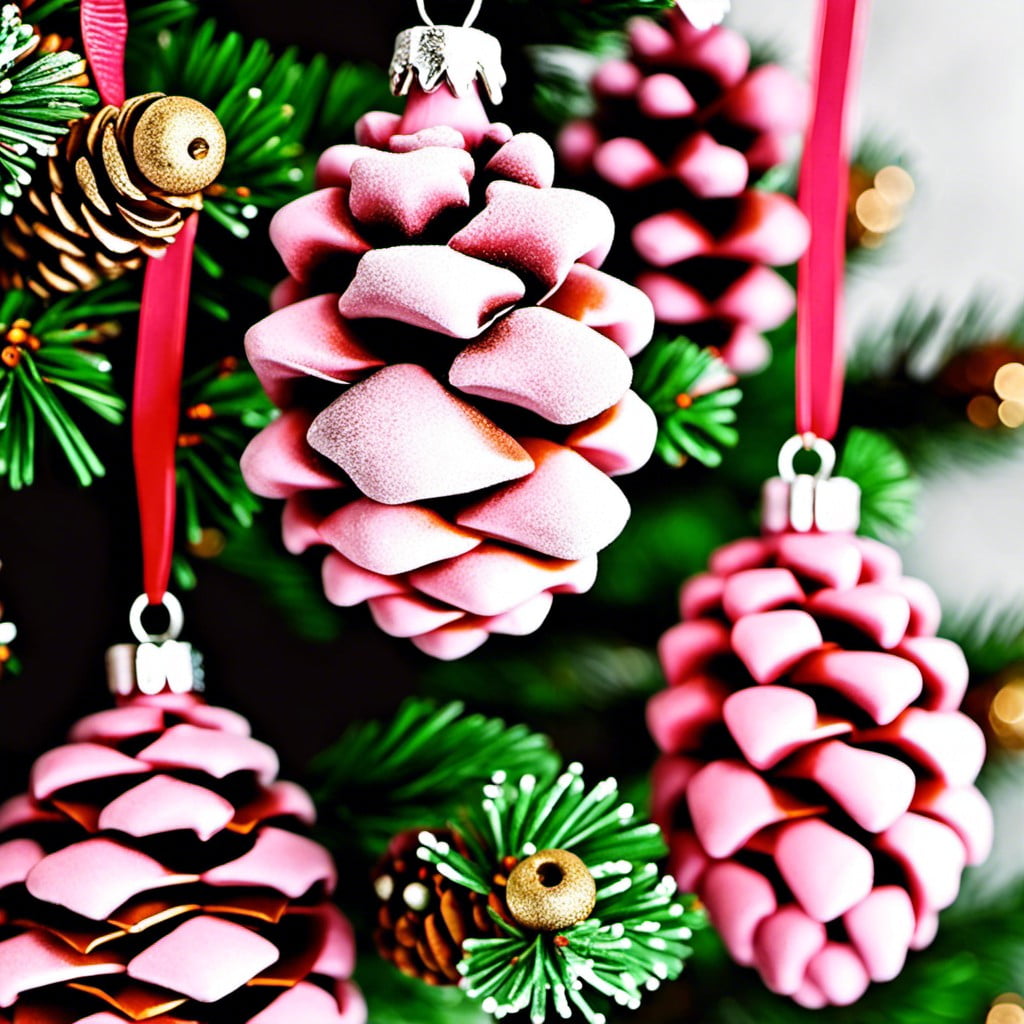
684 131
453 372
816 782
158 870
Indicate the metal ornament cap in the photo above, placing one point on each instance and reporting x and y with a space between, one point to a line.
457 55
801 503
149 669
550 891
159 662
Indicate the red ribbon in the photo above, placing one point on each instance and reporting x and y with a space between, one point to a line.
157 403
824 198
105 34
163 321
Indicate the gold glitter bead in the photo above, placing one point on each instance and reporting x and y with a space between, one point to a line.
179 145
550 891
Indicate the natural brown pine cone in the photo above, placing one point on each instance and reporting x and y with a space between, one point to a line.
423 918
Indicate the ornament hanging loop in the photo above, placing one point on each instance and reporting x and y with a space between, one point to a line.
474 13
801 503
808 442
175 619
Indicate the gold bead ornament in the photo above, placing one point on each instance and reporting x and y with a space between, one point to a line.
179 145
120 187
550 891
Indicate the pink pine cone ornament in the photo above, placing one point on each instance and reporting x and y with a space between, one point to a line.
454 378
157 870
816 783
684 130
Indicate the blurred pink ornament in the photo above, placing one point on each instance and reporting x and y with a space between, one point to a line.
158 870
684 132
816 783
453 370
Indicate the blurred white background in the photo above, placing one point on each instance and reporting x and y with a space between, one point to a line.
943 79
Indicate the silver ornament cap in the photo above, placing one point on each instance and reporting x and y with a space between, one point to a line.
458 55
802 503
159 662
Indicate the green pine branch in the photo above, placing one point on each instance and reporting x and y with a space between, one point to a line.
555 679
270 104
690 390
992 640
50 363
381 779
637 934
223 407
927 380
888 487
39 98
393 998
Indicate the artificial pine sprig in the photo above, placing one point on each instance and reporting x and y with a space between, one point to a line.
48 356
223 407
380 779
690 390
634 939
888 486
40 96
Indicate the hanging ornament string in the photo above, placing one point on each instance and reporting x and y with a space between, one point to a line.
824 192
162 326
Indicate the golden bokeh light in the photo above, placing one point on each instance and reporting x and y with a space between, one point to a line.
1005 1013
1006 717
1009 997
877 213
211 544
895 184
983 412
1011 414
1009 382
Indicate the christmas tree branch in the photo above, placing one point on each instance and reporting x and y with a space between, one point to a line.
380 779
48 356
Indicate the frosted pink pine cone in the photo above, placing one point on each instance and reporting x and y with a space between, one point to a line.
454 378
684 131
816 783
157 870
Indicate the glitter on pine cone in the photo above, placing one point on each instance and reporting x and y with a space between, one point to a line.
454 375
684 130
119 188
816 783
157 870
424 918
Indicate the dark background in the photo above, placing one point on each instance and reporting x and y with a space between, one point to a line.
71 564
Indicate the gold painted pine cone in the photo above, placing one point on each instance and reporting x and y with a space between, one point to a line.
119 188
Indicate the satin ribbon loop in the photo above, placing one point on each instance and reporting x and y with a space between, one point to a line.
824 197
